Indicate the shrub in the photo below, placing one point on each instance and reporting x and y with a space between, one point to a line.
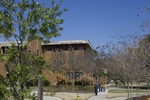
52 93
46 82
34 82
77 83
3 91
86 81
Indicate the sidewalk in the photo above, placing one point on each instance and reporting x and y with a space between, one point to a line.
102 95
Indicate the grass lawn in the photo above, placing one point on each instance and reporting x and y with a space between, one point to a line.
126 91
123 93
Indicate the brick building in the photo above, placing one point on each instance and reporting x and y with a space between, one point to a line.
59 55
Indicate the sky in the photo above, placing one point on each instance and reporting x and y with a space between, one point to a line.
100 20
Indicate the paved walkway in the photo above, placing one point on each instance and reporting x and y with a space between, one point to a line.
102 95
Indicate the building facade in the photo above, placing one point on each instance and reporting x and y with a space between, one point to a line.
66 58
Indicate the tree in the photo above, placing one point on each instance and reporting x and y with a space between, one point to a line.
20 76
126 62
4 92
99 66
21 21
145 54
71 64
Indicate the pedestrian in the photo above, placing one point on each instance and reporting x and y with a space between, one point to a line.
116 83
95 89
100 87
104 86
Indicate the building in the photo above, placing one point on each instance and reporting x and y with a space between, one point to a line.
60 55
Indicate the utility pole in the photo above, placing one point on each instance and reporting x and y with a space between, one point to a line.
40 88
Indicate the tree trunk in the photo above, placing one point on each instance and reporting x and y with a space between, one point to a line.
139 88
73 83
131 91
148 85
128 96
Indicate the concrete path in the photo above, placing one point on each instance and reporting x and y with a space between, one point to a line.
100 96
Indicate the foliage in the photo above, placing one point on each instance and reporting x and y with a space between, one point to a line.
77 83
21 21
46 82
52 93
4 93
86 81
127 60
88 88
73 69
98 65
32 19
30 67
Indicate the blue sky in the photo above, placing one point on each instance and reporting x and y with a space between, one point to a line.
99 20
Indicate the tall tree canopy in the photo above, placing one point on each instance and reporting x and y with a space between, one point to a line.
28 19
25 20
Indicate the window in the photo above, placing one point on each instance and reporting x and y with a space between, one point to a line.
54 62
76 74
4 49
68 75
37 52
81 74
59 50
71 75
29 50
71 49
54 49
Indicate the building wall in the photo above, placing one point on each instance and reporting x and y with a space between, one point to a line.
2 69
63 53
34 46
53 53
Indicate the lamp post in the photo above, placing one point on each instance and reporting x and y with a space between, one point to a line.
40 88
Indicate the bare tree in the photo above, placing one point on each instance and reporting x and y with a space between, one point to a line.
125 61
144 53
71 64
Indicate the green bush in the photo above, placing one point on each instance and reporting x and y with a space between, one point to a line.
84 88
34 82
46 82
77 83
3 91
52 93
68 88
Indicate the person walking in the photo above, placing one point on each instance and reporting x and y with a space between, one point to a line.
95 89
104 86
100 87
